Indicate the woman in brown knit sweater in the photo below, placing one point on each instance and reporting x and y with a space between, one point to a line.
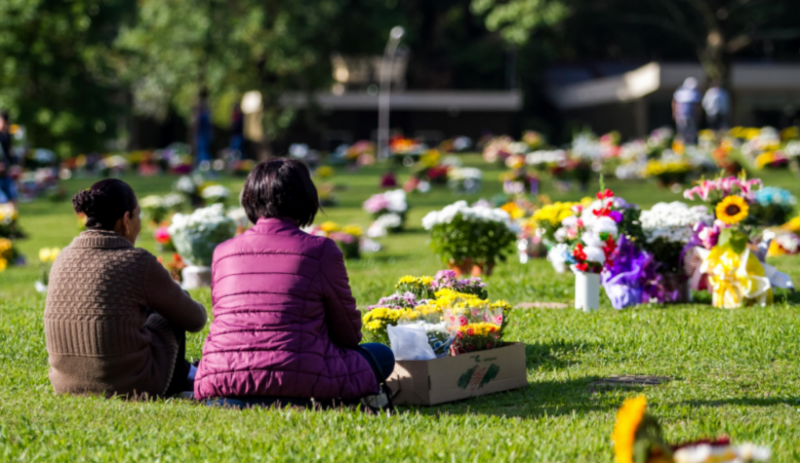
115 321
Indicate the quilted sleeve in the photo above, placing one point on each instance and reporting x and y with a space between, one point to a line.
341 315
167 298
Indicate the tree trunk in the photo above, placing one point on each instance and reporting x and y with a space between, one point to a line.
715 58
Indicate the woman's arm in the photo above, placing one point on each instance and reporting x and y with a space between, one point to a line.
341 315
167 298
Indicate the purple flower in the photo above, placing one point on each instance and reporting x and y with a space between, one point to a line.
616 215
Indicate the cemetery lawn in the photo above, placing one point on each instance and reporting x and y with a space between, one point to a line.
733 372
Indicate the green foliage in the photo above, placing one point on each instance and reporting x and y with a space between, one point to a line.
56 78
517 19
485 242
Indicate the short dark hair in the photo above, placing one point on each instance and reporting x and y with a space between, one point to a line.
280 188
104 203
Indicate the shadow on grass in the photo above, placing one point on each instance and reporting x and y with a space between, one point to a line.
538 399
746 401
555 355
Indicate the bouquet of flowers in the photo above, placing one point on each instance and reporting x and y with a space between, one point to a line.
347 238
470 237
464 179
46 258
8 222
426 287
638 438
153 209
196 235
476 324
214 194
668 227
498 149
772 206
548 218
390 203
8 254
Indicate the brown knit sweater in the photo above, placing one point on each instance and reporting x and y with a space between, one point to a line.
99 337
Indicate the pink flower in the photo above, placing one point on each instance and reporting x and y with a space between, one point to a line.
462 321
498 319
375 204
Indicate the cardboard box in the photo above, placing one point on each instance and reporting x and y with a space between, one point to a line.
431 382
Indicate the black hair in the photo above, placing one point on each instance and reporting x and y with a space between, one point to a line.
104 203
280 188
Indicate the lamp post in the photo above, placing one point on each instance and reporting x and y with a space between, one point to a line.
385 92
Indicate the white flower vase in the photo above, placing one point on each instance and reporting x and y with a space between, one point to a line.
196 277
587 291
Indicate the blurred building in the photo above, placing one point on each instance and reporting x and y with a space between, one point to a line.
349 111
635 100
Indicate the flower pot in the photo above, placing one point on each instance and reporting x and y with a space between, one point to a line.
675 288
196 277
587 291
461 268
484 269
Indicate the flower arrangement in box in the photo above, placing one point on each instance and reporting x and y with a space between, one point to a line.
423 300
46 258
390 209
347 238
473 238
196 235
638 438
772 206
476 324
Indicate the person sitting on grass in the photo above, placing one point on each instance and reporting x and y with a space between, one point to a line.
286 328
115 321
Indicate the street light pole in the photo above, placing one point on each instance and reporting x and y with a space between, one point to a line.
385 92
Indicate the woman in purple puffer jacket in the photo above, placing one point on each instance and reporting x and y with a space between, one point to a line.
285 323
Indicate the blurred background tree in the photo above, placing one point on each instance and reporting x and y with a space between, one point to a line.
54 76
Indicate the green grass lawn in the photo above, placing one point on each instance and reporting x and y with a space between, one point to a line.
733 372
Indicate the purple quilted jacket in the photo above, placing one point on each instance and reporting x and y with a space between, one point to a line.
285 322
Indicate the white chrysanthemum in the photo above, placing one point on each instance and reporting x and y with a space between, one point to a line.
396 200
673 221
605 225
591 239
594 254
382 224
215 192
557 255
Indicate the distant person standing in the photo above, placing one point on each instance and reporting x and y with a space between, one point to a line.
686 110
8 190
717 104
237 130
203 130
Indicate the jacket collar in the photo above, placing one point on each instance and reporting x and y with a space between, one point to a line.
101 239
276 224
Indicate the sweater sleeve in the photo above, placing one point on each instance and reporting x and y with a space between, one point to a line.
341 315
167 298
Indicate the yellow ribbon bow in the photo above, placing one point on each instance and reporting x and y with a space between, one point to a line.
736 279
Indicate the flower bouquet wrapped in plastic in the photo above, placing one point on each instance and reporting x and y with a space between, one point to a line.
476 325
638 438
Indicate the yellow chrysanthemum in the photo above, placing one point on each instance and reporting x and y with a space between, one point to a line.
479 329
44 255
732 210
354 230
513 210
629 417
5 245
329 227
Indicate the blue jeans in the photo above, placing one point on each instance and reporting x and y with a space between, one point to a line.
8 190
379 356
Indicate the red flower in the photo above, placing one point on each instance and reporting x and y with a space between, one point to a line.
605 194
470 347
460 335
462 321
470 332
582 266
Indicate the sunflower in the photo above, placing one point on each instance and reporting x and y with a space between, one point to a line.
732 210
629 417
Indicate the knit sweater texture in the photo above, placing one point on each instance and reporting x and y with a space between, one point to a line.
100 339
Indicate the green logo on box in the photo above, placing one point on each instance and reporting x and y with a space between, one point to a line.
477 377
